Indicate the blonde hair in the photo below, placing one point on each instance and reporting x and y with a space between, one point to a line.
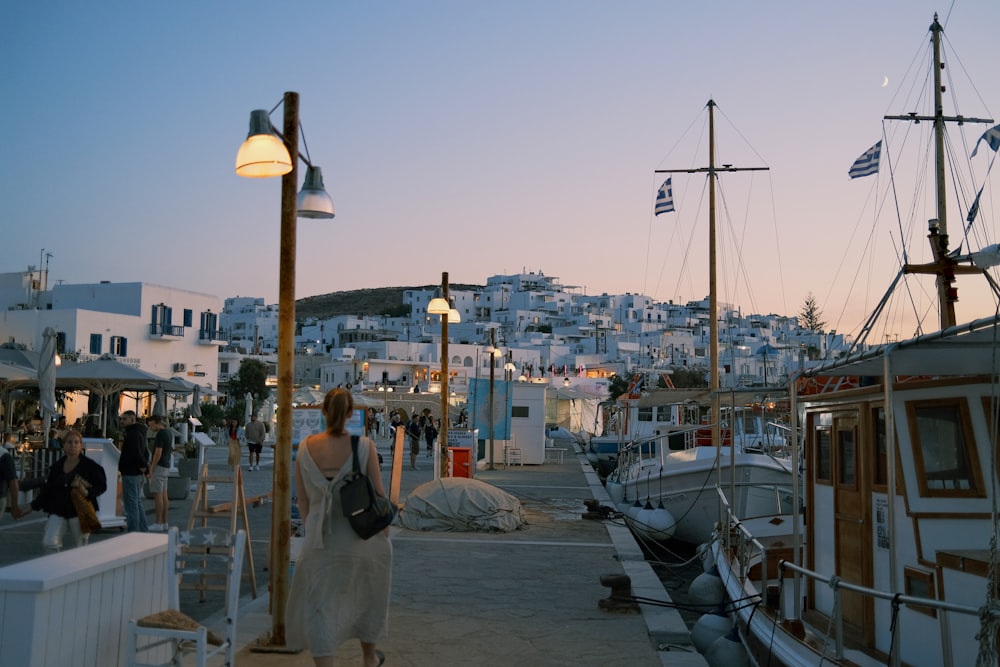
338 404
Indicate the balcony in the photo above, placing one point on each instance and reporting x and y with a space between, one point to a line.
213 337
165 332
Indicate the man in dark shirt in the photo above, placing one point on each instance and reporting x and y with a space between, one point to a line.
133 466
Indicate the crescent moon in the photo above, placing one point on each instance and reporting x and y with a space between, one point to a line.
885 81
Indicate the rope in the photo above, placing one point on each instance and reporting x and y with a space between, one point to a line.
893 627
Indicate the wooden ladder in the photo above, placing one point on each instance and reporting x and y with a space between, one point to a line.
235 511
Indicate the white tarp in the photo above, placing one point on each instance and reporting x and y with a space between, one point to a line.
461 504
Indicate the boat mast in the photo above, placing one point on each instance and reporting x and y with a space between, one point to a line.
713 301
943 267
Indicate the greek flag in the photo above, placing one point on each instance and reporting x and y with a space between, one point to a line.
664 198
991 137
867 164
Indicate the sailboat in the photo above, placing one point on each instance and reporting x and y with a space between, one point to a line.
896 559
669 493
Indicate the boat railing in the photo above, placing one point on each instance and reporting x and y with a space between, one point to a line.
837 586
747 552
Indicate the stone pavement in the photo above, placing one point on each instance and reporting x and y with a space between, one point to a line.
528 597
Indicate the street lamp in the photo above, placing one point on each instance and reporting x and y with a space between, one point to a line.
493 353
264 154
442 306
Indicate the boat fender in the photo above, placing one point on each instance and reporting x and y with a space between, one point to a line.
654 523
710 627
707 557
707 588
727 651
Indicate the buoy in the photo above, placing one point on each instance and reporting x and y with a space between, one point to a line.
707 588
655 523
710 627
727 651
707 557
616 492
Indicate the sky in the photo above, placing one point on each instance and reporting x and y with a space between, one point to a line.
477 138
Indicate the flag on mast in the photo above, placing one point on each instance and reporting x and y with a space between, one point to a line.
664 198
867 164
992 138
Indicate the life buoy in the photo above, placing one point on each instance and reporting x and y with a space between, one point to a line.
348 385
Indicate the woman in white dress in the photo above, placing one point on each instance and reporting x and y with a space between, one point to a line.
336 569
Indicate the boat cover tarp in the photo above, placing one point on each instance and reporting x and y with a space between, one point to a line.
461 504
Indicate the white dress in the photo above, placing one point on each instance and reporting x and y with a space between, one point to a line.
341 583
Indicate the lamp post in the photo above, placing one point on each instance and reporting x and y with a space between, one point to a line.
442 306
265 155
492 351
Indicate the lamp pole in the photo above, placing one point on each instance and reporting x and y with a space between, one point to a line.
281 510
443 437
493 349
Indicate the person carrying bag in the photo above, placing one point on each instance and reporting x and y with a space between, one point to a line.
367 511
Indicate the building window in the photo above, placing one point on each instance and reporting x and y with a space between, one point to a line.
119 346
96 341
188 317
941 432
61 342
519 411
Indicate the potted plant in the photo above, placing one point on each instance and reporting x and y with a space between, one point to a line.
188 466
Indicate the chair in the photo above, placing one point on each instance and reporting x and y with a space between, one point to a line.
512 456
201 552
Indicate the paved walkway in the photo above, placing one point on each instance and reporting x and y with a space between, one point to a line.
524 598
528 597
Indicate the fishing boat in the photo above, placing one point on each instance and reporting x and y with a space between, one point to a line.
893 559
663 482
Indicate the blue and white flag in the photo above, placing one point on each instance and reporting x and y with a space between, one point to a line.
991 137
867 164
664 198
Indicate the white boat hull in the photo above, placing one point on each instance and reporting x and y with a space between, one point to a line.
684 482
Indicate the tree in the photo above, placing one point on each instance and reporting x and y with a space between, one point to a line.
252 377
689 377
810 317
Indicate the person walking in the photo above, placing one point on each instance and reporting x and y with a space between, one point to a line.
159 470
237 438
341 584
255 434
133 466
430 434
413 430
72 471
8 484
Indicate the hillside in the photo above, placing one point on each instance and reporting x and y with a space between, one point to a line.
374 301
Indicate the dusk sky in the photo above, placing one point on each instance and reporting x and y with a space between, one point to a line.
481 138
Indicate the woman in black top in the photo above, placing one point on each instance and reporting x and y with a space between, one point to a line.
73 469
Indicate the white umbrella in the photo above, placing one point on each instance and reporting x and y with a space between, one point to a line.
248 408
47 375
196 403
104 377
160 404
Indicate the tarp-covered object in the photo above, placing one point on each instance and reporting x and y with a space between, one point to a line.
461 504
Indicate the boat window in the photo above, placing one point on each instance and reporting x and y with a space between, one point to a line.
846 458
943 449
824 471
664 414
646 414
879 450
919 584
991 408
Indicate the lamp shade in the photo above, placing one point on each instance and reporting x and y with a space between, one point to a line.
263 154
454 317
313 200
439 306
